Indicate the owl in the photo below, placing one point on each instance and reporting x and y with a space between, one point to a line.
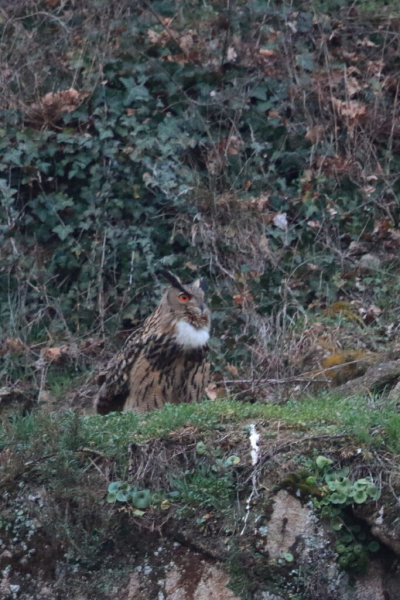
166 359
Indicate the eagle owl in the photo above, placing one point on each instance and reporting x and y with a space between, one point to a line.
166 359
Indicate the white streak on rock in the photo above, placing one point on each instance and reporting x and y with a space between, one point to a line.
255 455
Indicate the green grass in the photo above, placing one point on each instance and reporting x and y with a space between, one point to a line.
323 414
370 420
47 449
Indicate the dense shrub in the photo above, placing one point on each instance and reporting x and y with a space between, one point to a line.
252 144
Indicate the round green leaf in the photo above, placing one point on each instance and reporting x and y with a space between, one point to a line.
311 480
122 496
360 497
141 499
360 485
343 472
373 546
323 461
374 494
111 498
201 448
337 498
344 487
232 460
114 487
336 524
288 557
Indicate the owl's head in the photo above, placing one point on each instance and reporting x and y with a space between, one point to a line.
187 302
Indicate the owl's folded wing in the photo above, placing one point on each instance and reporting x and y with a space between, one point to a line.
114 381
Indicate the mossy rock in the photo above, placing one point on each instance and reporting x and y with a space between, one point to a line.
345 365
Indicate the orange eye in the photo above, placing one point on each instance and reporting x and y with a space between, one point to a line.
184 297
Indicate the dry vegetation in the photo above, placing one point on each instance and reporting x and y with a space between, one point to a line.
255 145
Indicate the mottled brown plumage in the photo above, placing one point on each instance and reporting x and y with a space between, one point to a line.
165 360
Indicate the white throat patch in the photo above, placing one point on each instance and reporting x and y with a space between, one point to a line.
190 337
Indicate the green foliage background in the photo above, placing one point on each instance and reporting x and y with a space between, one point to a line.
183 105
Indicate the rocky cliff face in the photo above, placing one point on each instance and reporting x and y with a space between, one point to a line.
247 523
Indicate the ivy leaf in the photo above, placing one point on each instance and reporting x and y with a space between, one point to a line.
63 231
306 61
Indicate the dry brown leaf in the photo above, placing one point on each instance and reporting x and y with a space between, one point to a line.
366 42
66 100
191 266
352 109
51 354
50 107
158 37
382 227
89 346
208 516
267 53
232 370
187 41
247 184
352 86
370 314
15 345
260 203
263 244
233 145
273 114
314 224
314 134
240 299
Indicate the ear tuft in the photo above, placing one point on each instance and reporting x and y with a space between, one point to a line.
172 279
